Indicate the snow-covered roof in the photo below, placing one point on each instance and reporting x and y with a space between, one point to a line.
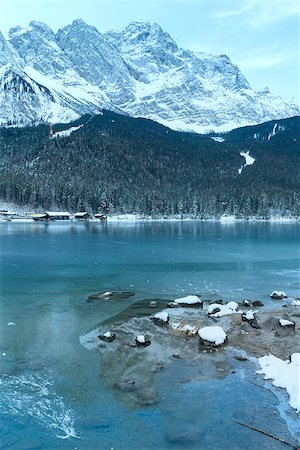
39 216
58 213
81 214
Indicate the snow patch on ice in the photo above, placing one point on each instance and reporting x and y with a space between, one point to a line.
285 374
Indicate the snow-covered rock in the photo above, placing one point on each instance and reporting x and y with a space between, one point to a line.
161 318
278 295
142 341
249 317
189 300
217 310
295 302
108 336
215 335
139 70
285 374
286 323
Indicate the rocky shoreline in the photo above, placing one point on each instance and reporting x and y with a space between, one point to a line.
142 341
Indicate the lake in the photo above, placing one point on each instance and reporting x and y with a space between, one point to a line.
51 394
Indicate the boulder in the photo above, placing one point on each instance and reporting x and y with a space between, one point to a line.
211 337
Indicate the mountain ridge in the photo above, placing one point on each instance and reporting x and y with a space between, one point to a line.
139 70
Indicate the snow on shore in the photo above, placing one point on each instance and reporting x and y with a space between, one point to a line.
285 374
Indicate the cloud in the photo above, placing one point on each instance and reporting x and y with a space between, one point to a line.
265 59
258 13
239 9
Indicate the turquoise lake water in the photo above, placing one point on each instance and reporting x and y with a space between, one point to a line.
51 396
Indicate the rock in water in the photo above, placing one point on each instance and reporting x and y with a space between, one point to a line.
161 318
250 318
153 304
211 337
257 303
111 295
107 337
142 341
190 300
278 295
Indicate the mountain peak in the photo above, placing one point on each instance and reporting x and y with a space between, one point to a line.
138 69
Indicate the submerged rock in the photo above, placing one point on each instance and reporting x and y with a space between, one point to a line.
153 304
127 385
257 303
111 295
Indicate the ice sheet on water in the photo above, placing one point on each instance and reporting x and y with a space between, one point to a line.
33 396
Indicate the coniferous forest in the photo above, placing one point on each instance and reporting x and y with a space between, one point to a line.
116 164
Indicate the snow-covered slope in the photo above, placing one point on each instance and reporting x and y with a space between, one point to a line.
139 70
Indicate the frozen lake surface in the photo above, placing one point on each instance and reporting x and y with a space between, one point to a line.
51 394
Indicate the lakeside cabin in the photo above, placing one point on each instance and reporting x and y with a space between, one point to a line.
100 217
40 217
52 215
82 216
58 215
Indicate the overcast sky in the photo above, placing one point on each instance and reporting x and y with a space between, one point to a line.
260 36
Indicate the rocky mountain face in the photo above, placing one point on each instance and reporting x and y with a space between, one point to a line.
139 70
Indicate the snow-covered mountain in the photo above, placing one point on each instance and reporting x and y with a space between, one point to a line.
139 70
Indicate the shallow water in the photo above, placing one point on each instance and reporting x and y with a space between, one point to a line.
51 395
